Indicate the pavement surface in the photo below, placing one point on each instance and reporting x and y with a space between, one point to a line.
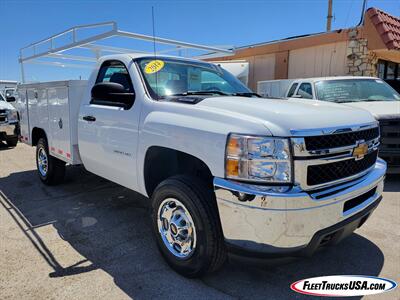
91 239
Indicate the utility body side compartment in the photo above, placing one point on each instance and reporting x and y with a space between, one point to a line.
53 108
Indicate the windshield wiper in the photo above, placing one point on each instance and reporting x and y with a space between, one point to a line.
342 101
189 93
372 100
247 94
358 100
210 92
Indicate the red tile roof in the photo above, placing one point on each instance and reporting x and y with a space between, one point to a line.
388 27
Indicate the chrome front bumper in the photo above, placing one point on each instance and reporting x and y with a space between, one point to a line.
260 219
9 129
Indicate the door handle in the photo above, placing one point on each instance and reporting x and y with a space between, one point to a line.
89 118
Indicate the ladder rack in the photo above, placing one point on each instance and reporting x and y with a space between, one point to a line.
34 53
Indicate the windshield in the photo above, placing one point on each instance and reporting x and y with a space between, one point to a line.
354 90
167 77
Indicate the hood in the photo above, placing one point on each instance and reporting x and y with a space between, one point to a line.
379 109
6 105
282 116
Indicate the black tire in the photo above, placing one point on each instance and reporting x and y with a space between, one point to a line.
209 253
12 142
55 168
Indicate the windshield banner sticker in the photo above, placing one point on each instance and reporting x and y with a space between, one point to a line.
343 286
154 66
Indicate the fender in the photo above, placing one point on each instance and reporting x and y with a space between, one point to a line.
191 129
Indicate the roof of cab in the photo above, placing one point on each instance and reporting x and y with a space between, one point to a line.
315 79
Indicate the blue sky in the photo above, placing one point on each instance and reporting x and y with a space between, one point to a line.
207 22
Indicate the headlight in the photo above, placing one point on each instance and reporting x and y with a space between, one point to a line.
261 159
12 115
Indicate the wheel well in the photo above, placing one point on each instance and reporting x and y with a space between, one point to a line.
162 163
37 133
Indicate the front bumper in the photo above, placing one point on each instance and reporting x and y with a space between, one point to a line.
8 130
262 221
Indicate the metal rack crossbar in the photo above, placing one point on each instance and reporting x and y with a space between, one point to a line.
34 52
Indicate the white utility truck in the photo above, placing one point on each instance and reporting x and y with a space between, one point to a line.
7 85
274 88
224 169
369 93
9 123
7 89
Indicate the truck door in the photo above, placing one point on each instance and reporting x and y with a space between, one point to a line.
107 132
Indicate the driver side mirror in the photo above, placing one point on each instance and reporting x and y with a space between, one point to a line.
10 99
112 94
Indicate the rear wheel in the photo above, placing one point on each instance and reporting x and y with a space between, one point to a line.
187 227
12 142
51 170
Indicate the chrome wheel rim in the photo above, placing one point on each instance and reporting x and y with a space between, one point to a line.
176 227
43 163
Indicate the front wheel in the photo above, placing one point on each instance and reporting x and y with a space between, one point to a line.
50 169
187 227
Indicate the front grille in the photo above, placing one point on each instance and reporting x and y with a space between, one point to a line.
340 139
2 118
390 135
320 174
3 111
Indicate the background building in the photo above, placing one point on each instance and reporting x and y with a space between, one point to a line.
370 49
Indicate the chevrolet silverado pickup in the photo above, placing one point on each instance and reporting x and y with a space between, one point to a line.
225 170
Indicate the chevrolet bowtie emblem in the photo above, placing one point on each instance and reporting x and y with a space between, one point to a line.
360 150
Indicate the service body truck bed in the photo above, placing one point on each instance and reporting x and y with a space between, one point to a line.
53 107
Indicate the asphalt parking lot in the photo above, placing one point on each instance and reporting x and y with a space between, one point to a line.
89 238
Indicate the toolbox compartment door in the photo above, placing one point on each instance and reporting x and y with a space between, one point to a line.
31 96
59 122
22 106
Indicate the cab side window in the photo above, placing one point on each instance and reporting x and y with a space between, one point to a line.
116 72
305 90
292 89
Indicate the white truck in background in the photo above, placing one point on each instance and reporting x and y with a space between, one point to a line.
274 88
224 169
9 121
7 85
369 93
7 89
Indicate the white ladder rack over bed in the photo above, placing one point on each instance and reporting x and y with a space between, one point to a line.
59 51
